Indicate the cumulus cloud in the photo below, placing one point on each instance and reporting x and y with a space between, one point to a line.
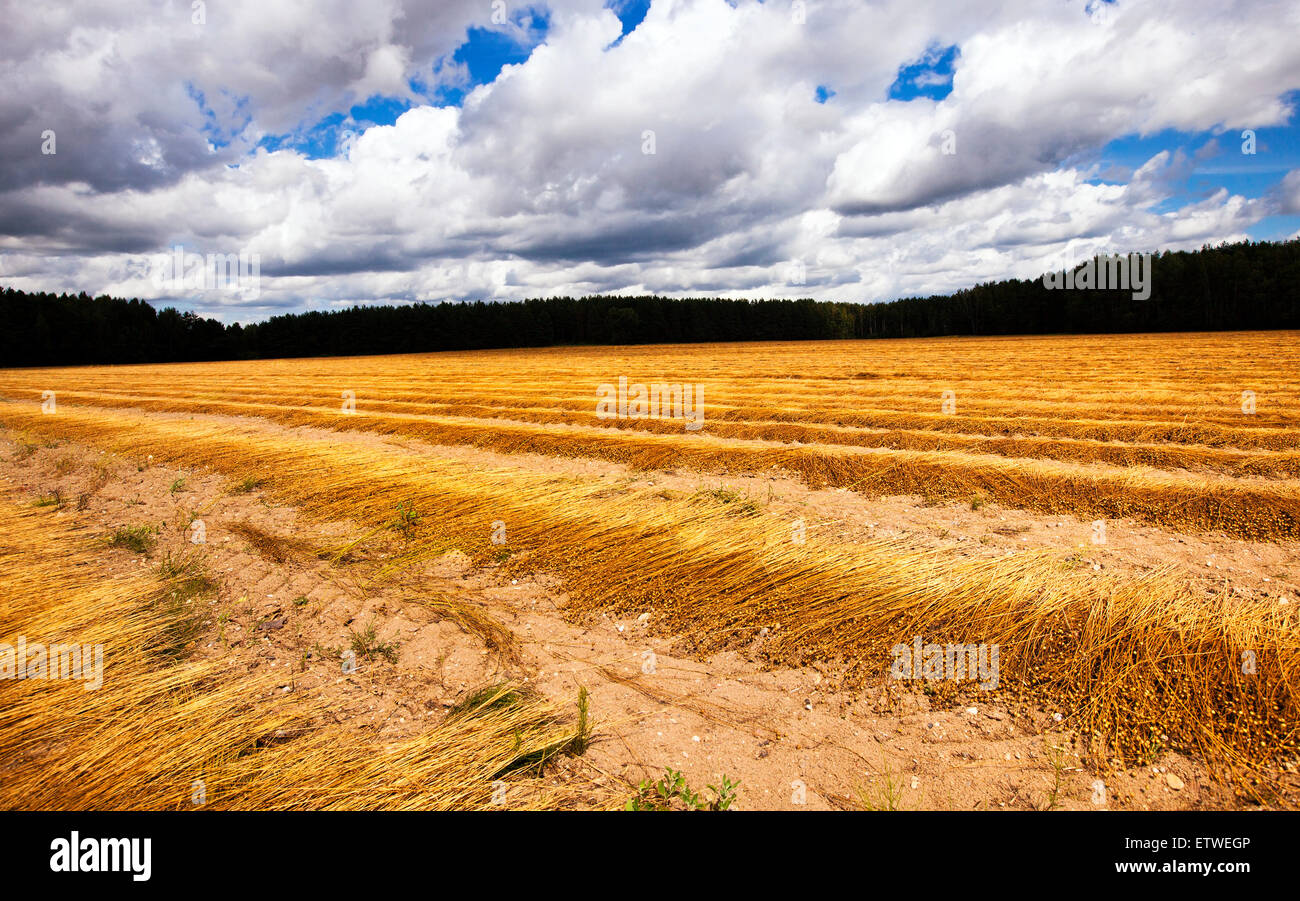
1288 193
690 156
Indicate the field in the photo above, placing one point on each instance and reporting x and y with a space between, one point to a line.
449 581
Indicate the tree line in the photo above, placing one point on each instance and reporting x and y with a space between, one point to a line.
1247 285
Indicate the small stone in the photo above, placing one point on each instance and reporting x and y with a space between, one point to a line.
1174 782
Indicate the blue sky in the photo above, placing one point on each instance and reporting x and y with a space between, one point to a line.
1218 160
630 14
484 53
930 76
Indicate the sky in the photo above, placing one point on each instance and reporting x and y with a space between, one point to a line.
396 151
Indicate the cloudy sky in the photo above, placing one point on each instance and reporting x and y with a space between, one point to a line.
404 150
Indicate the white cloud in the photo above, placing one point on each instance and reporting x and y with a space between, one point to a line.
539 184
1289 193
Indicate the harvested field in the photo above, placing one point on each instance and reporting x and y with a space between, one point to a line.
1111 513
246 743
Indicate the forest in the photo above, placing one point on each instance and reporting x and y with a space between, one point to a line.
1233 286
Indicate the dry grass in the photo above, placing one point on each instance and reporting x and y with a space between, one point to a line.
1148 427
161 721
1137 661
278 548
1250 509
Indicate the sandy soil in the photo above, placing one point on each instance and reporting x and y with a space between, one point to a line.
793 738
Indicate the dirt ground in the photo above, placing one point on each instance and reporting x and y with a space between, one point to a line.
793 738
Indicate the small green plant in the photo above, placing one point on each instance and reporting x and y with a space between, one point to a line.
185 580
366 644
247 485
177 486
490 697
1056 757
300 600
724 794
885 793
977 501
51 498
734 501
139 539
406 520
324 652
673 793
582 740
